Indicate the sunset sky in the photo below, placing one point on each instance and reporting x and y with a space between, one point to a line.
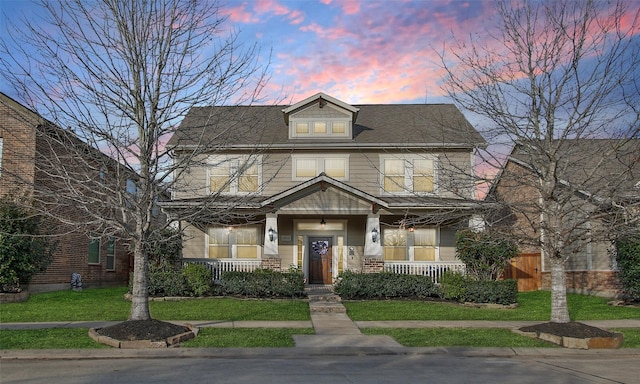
357 51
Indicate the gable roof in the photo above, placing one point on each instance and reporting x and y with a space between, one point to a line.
320 97
377 126
591 165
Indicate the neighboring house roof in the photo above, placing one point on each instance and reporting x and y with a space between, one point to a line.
377 126
607 167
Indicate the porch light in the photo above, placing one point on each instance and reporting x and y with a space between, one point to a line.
272 234
374 235
322 223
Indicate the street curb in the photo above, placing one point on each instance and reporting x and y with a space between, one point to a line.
301 352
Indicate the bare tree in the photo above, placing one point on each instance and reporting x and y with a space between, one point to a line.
551 77
121 75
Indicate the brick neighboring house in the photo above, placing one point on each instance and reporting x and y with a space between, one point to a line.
24 161
326 187
598 178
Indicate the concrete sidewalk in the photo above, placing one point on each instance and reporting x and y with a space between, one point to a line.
328 321
335 333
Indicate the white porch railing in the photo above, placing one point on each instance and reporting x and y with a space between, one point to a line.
433 269
218 266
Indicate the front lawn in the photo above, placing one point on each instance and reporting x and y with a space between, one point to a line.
533 306
108 304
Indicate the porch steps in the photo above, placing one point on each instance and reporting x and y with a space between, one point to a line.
323 300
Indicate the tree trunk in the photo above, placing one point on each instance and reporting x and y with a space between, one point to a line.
559 307
139 291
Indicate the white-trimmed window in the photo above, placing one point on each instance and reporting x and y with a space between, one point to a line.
305 167
233 242
305 128
419 244
234 175
408 175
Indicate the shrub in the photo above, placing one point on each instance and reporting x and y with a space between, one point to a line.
497 291
23 250
166 280
384 285
628 259
453 286
198 279
484 255
262 283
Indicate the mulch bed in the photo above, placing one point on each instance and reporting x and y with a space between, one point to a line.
572 329
154 330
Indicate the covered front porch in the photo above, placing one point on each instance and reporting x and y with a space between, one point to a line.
323 227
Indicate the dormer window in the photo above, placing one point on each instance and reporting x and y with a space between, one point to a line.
320 116
305 128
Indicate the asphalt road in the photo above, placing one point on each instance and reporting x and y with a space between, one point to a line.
352 369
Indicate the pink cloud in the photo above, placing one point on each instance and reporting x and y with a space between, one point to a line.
240 14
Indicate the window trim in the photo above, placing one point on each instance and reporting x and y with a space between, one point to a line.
410 246
311 132
320 165
233 162
408 161
232 243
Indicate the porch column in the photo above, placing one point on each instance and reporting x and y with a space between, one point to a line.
271 232
373 249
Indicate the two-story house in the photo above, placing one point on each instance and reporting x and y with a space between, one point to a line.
27 159
325 186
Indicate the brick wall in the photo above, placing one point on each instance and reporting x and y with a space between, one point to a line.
372 265
599 283
273 263
23 143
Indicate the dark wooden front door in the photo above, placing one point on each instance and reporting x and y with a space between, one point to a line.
526 268
320 260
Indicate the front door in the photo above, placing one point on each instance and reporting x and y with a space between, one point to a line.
320 260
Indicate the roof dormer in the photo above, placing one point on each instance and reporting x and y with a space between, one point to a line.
320 117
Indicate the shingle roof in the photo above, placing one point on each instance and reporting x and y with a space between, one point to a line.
438 125
594 165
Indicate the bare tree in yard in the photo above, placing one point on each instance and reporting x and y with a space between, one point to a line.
121 75
554 79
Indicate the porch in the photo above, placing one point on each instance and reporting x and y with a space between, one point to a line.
433 269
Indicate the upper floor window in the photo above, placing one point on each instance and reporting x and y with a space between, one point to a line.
319 128
306 167
408 175
234 175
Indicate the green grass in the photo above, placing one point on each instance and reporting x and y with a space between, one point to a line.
51 338
458 337
533 306
245 337
108 304
231 309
